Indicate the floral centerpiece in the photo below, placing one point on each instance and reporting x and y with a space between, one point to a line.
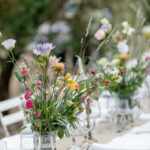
53 97
128 59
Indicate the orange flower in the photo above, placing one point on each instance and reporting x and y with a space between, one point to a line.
120 38
122 56
58 66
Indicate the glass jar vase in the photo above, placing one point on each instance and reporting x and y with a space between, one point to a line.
44 142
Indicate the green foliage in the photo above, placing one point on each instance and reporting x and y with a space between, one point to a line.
18 76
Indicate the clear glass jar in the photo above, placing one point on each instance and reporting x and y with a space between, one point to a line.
44 142
119 114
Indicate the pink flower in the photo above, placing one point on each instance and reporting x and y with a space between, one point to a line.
147 57
38 114
100 34
84 96
64 85
30 90
148 70
29 104
27 95
89 102
24 72
39 83
30 58
82 110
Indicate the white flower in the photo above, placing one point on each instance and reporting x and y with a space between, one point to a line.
115 62
9 44
131 64
44 28
104 21
146 29
123 48
119 79
115 71
103 61
53 60
100 34
125 24
127 29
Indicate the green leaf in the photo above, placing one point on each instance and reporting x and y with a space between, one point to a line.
60 134
33 85
87 86
94 97
18 76
21 129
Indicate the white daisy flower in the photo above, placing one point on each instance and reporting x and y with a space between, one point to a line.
123 48
9 44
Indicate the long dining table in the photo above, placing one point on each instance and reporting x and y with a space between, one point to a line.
138 136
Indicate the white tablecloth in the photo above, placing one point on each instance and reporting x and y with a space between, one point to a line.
138 139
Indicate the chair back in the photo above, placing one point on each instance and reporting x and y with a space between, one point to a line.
14 117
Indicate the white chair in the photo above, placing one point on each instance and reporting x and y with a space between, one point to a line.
14 117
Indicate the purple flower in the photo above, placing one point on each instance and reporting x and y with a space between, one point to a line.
43 49
106 27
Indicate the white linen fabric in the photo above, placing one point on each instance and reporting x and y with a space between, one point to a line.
136 139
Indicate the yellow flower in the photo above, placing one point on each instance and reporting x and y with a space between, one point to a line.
122 56
73 85
68 75
147 34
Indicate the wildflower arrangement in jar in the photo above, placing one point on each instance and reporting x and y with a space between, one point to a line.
130 59
53 98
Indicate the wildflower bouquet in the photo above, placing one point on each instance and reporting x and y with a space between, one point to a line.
130 60
53 98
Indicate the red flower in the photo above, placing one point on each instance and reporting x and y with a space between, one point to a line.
38 114
29 104
107 82
96 79
24 72
121 72
93 72
27 95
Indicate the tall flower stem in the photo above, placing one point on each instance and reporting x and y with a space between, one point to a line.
88 124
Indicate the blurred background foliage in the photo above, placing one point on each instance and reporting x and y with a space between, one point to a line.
62 22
